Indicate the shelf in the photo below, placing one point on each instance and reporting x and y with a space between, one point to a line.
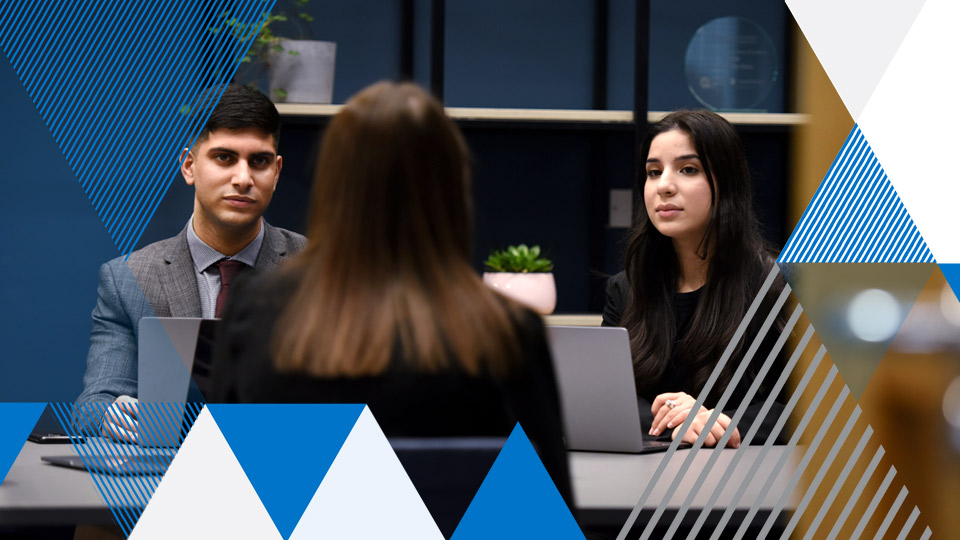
580 319
307 109
750 119
558 115
484 114
542 115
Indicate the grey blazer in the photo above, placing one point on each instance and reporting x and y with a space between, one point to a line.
156 281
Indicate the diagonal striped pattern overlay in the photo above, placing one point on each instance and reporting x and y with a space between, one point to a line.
123 87
840 484
127 475
856 215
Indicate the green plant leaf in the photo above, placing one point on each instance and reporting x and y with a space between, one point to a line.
518 259
259 34
493 263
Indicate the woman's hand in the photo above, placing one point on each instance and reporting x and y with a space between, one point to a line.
669 410
716 431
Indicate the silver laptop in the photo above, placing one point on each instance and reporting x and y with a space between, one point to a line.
174 356
598 394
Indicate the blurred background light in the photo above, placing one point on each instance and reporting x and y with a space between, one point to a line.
873 315
950 306
951 411
951 403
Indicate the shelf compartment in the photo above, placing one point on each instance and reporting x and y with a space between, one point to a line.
556 115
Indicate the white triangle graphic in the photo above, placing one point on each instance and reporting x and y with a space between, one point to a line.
366 494
854 41
205 494
911 122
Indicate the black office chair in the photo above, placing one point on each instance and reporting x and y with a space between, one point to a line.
447 472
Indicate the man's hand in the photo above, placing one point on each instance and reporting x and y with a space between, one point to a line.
716 431
120 420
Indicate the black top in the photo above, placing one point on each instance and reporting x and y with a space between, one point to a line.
678 376
404 402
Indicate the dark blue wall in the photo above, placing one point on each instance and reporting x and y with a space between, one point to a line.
51 245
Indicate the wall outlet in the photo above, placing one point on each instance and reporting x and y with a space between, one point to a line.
621 208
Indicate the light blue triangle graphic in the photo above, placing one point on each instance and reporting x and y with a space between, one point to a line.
123 98
16 422
856 216
286 450
517 499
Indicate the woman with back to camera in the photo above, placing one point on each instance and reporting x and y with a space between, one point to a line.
383 306
695 261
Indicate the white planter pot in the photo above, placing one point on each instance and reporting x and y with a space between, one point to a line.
537 290
306 75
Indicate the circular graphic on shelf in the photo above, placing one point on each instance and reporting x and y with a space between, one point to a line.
731 64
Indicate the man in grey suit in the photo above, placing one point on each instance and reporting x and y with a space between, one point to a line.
234 168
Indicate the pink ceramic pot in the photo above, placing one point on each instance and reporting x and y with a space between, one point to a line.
536 290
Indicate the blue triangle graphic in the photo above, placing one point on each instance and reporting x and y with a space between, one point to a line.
269 443
16 422
518 499
952 273
856 216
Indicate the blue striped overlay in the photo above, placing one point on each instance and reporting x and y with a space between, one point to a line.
123 87
127 475
856 216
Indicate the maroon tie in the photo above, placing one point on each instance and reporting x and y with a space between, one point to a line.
228 271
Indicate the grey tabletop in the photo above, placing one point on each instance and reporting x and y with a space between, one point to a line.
38 493
606 486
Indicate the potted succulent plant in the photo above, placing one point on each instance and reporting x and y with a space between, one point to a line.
522 274
298 70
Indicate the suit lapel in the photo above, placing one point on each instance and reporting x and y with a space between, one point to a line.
273 249
179 280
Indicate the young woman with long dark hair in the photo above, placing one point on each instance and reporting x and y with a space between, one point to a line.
694 263
383 306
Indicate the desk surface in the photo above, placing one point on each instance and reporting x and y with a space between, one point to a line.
38 493
606 486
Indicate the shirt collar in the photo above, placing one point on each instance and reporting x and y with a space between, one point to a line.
204 255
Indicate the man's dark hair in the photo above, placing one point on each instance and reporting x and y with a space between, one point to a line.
241 107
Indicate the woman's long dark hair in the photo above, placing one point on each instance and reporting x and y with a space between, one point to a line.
739 260
389 255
